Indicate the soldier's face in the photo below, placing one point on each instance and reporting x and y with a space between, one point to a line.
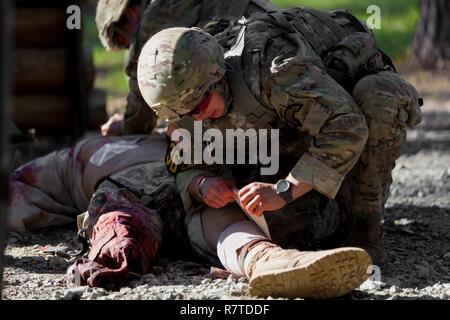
211 107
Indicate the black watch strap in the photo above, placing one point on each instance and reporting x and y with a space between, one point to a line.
287 193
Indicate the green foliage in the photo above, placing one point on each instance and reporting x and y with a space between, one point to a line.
109 66
398 24
398 19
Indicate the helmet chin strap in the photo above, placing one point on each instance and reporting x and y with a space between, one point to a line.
222 87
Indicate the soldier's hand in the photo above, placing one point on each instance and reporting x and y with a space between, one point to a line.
114 126
217 192
258 198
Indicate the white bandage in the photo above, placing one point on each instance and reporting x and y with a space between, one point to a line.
234 238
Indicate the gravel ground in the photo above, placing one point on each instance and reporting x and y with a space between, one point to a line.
416 236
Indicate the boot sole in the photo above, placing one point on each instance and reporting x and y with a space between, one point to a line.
333 275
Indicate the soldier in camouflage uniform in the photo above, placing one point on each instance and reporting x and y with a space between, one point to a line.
342 112
211 15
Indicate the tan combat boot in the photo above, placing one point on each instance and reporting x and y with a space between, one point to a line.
276 272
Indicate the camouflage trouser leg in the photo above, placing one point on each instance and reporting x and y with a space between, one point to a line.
390 105
308 223
138 118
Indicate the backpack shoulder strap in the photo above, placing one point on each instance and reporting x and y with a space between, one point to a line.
256 113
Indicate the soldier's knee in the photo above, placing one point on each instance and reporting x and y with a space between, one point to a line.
387 97
389 103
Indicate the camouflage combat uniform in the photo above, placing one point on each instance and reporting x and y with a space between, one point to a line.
212 15
108 15
341 128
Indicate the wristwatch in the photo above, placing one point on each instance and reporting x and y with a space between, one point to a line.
283 188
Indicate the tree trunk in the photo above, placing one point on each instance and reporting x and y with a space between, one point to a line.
432 41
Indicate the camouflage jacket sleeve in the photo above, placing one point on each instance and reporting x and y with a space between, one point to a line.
159 15
305 96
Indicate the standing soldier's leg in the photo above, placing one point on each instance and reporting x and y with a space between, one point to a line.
138 118
390 105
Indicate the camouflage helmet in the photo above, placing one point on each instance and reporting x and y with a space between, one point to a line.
108 13
175 69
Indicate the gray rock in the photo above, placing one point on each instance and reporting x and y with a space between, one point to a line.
408 290
125 290
98 292
242 286
372 285
74 293
230 279
444 296
393 290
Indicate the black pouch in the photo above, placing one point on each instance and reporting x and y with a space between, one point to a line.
354 57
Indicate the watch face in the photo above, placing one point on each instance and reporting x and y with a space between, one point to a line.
283 186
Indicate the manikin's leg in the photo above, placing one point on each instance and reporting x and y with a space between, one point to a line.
243 249
46 192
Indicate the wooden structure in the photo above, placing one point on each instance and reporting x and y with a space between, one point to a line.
5 63
53 74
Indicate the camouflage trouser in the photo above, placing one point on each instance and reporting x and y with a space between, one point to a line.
390 105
